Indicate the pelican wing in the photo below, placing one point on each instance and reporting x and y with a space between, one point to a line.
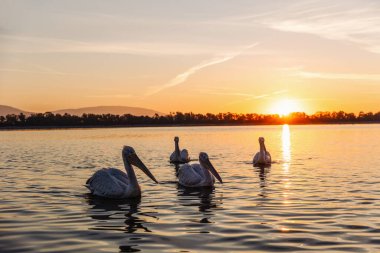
108 183
268 157
193 176
173 157
256 158
118 174
185 155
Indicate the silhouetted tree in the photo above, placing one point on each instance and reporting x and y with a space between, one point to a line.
49 119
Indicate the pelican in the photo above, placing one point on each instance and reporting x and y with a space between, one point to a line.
263 157
114 183
197 175
179 156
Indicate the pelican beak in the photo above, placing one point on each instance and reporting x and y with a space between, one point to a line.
135 160
213 171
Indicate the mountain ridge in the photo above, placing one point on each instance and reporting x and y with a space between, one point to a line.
117 110
5 109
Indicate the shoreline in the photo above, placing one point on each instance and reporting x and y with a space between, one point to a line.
16 128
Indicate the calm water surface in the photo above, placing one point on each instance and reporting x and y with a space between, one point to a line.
322 192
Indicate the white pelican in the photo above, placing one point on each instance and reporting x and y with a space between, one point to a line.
114 183
179 156
197 175
263 156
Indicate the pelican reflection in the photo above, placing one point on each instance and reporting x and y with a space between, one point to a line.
201 197
120 215
176 167
262 172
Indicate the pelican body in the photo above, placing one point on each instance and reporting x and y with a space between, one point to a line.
263 156
198 175
116 184
179 156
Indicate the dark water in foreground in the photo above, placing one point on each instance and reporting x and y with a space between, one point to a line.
322 192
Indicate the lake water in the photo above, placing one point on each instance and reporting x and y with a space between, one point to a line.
322 192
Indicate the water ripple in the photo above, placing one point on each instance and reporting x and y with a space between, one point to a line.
306 201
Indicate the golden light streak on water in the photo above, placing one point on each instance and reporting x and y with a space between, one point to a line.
285 229
286 157
286 147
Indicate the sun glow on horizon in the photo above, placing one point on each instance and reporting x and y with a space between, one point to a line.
285 107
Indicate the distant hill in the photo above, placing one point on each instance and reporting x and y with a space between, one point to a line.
117 110
4 110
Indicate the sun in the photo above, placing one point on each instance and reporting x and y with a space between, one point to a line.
285 106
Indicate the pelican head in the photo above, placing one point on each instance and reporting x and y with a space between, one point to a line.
261 140
205 162
176 139
130 156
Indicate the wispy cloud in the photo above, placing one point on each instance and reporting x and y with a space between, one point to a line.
35 69
337 76
268 94
182 77
45 45
247 96
356 23
234 94
250 97
40 70
49 72
110 96
279 92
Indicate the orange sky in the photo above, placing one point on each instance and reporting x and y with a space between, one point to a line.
215 56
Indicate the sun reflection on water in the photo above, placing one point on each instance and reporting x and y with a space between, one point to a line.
286 157
284 230
286 151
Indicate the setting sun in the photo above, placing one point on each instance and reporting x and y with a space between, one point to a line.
286 106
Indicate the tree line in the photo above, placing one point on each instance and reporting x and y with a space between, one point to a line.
49 119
